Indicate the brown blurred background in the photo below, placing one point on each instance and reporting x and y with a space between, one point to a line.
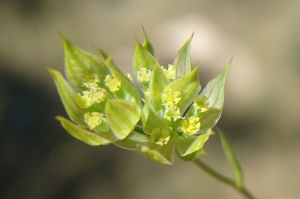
39 160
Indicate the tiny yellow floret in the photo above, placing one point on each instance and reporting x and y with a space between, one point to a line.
170 97
172 112
93 119
112 83
90 81
83 101
144 75
170 72
191 125
200 105
97 94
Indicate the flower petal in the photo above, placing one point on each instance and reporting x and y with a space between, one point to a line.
67 95
214 95
122 116
132 140
85 135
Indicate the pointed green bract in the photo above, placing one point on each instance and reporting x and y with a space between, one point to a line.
83 134
192 143
158 82
122 116
147 45
189 157
67 95
214 95
189 86
236 168
79 62
158 153
132 140
151 121
142 59
182 61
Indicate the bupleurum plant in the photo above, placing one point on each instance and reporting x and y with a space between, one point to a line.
168 115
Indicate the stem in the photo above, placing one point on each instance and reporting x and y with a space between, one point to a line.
242 190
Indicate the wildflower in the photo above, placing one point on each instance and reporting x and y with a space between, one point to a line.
191 125
105 106
112 83
144 75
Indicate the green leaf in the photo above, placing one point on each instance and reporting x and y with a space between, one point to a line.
236 168
214 92
158 153
189 157
189 86
192 144
79 62
122 116
142 59
182 62
150 120
147 45
85 135
67 95
157 84
132 140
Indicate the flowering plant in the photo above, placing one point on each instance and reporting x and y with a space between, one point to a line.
169 116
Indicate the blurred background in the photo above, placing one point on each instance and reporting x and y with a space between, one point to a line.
39 160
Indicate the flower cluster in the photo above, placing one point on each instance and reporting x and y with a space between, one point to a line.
168 116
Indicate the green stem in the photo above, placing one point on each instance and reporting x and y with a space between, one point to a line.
242 190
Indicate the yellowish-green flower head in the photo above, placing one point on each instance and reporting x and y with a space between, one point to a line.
144 75
170 72
93 119
112 83
170 97
191 125
170 116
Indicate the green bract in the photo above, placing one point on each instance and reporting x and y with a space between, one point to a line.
169 116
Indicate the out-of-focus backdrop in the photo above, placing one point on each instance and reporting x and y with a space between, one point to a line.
38 159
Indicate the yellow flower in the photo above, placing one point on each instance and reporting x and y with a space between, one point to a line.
93 119
170 72
200 105
172 111
191 125
170 97
90 81
112 83
144 75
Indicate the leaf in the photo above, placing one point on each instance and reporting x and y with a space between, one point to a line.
67 95
236 168
79 62
158 153
189 157
132 140
85 135
147 45
150 120
214 93
122 116
157 84
182 62
142 59
189 86
192 144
